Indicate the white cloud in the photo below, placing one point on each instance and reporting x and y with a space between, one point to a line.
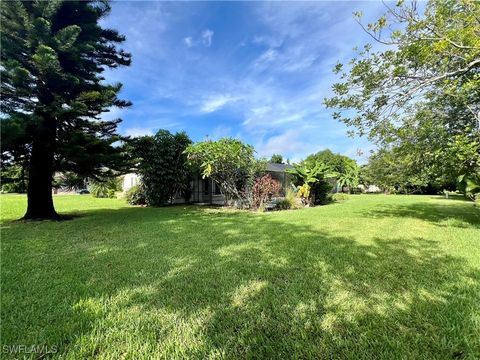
269 41
278 87
207 36
214 103
220 131
294 144
188 41
267 107
112 113
138 131
287 142
266 57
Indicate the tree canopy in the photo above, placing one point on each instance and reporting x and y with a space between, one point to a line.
276 159
336 161
419 95
53 93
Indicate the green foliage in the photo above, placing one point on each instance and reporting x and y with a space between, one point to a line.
136 195
284 204
230 163
346 169
312 179
104 188
162 166
391 170
14 187
321 190
290 201
311 173
436 52
418 96
337 162
53 90
350 177
377 277
470 184
69 181
13 179
276 159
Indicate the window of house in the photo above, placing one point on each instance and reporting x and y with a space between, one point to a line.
217 189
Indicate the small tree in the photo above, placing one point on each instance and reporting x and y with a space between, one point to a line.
263 189
162 166
228 162
312 180
349 177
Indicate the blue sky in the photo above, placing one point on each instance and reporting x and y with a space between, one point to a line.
257 71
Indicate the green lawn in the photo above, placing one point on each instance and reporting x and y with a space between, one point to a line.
383 277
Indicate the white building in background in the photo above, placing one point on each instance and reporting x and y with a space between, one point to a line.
129 181
373 189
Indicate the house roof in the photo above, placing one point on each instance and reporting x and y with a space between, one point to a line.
278 167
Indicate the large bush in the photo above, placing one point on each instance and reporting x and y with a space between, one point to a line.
320 190
136 195
163 167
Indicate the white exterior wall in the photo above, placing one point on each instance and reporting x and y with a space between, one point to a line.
129 180
373 189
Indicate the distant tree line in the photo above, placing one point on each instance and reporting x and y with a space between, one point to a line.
418 98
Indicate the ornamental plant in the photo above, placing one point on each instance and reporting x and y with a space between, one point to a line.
311 177
230 163
264 188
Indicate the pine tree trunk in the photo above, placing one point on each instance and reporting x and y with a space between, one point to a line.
39 191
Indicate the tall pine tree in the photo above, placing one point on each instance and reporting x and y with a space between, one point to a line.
53 93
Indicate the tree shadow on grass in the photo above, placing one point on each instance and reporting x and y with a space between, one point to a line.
442 213
193 282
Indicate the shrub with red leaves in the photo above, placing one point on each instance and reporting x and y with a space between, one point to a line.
264 188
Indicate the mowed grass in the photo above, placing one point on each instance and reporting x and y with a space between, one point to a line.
375 277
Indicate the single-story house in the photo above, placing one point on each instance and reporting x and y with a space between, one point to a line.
206 191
